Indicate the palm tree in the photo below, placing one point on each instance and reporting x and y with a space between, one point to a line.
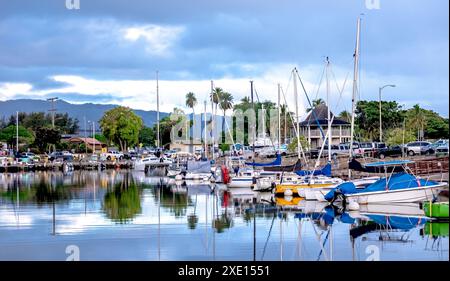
417 119
215 99
191 101
345 115
226 102
315 103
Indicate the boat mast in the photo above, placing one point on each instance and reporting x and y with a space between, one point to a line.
254 131
157 109
279 121
296 111
263 112
213 116
329 113
355 88
205 137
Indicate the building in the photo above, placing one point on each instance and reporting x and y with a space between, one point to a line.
309 128
187 146
89 142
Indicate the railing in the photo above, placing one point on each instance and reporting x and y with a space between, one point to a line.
334 133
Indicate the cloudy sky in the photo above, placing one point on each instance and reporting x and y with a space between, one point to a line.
108 51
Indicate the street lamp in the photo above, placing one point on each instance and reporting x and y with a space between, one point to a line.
379 93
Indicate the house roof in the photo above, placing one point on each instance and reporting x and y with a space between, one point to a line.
320 113
90 141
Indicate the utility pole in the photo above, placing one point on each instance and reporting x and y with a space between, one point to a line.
379 95
52 110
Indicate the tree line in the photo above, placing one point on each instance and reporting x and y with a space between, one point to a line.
36 131
123 128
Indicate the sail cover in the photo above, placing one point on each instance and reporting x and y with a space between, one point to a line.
286 168
276 162
326 171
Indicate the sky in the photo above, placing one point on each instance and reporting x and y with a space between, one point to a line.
109 51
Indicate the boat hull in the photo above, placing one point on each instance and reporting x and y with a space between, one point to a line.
241 183
299 189
407 195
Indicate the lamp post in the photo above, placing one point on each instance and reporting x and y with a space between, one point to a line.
379 94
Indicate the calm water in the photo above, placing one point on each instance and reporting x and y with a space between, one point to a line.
128 216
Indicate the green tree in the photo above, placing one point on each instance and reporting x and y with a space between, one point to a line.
367 118
315 103
292 147
396 136
8 135
191 101
346 116
121 126
101 138
226 103
417 119
46 137
147 136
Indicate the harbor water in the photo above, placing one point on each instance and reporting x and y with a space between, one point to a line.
127 215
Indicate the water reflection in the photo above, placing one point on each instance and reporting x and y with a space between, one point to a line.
118 214
123 201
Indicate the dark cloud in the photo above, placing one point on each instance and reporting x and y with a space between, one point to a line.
42 38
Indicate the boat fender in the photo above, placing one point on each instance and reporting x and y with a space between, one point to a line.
288 192
225 174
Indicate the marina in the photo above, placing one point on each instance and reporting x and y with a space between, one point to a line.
234 132
125 215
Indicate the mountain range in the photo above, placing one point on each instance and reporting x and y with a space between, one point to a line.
90 111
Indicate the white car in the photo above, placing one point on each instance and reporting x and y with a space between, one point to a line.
112 154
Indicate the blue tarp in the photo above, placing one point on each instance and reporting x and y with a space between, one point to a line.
326 171
276 162
388 163
396 222
396 182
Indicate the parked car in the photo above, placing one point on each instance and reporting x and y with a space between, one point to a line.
391 151
443 148
31 156
112 155
419 148
131 155
60 156
370 147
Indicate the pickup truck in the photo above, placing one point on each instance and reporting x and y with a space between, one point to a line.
112 155
336 150
59 155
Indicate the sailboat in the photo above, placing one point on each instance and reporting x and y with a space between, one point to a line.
307 179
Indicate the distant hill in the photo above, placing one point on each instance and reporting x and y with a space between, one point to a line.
89 110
